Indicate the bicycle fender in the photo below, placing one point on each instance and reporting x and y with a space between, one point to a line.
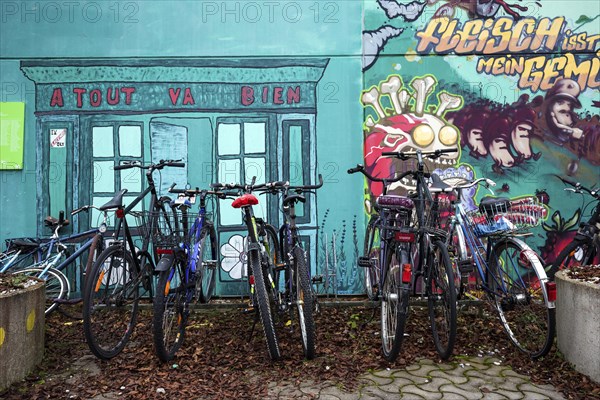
165 262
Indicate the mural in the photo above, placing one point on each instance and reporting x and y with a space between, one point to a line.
514 86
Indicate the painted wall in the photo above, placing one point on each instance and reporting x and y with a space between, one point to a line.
186 68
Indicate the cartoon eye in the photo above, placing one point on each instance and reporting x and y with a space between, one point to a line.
448 135
423 135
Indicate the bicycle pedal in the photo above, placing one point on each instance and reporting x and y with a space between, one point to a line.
366 262
248 310
317 279
210 263
466 267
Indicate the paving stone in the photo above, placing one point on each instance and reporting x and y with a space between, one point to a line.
418 393
434 384
467 392
424 371
485 375
532 390
456 376
508 394
380 380
398 381
374 392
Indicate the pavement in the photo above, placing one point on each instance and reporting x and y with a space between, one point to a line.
470 378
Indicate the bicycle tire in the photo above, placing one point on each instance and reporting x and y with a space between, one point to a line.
518 297
110 302
394 304
169 318
57 286
304 303
456 245
441 300
264 306
575 254
208 249
93 253
371 249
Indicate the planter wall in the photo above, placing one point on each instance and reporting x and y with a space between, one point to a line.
578 323
21 332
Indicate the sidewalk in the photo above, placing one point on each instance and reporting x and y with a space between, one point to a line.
473 378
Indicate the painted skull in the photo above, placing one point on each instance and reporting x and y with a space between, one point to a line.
409 128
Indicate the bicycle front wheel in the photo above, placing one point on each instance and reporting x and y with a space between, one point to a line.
264 306
304 303
516 282
441 300
208 266
110 302
57 287
371 249
394 304
93 253
575 254
169 304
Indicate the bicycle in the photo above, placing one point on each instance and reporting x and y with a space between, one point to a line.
584 249
190 274
291 262
122 275
509 273
52 256
260 258
412 251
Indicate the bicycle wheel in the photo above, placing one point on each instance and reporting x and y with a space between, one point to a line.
456 247
57 286
110 302
208 264
441 300
516 285
371 249
394 304
304 303
575 254
169 319
264 306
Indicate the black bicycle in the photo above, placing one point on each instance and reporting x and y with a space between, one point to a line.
122 274
293 284
585 247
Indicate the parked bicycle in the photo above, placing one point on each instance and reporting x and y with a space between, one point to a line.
261 258
51 258
584 249
292 277
187 273
122 275
509 272
413 259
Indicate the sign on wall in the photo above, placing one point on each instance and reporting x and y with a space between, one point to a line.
58 137
12 127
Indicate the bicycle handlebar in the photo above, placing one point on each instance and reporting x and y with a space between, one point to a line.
405 155
360 168
196 191
579 188
161 164
267 186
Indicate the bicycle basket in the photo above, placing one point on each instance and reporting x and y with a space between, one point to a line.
170 230
504 215
396 211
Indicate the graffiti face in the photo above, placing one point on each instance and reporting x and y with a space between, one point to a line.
520 139
562 110
500 152
475 138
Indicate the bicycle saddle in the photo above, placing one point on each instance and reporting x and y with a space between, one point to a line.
393 201
54 222
438 185
492 205
23 243
115 202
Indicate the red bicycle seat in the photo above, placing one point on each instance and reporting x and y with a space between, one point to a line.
245 200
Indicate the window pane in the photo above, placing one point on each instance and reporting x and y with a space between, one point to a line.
131 220
130 141
131 179
102 141
296 161
104 176
254 137
229 171
255 167
229 139
229 215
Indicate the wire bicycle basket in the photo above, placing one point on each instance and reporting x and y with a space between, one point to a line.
171 230
499 216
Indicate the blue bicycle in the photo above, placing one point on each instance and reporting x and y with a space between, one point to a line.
187 273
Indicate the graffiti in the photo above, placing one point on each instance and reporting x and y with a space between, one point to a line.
507 37
407 125
374 41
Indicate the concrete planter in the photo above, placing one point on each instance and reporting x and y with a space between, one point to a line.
578 323
21 331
